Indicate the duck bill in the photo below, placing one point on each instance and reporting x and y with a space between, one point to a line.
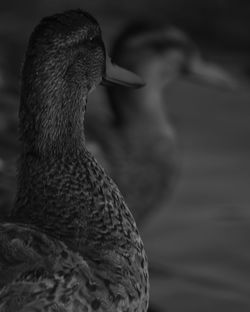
116 75
211 74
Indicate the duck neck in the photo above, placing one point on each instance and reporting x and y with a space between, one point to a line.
52 108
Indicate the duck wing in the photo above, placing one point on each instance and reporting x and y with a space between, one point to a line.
39 273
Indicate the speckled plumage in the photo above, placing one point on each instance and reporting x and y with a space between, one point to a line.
75 245
40 273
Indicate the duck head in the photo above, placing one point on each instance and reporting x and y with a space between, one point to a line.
65 60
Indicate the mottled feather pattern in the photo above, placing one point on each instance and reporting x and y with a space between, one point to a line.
53 278
92 218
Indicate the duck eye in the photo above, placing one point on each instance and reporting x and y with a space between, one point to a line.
95 40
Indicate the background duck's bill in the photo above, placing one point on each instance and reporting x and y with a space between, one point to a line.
207 73
116 75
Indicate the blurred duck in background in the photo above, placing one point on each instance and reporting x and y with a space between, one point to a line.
141 154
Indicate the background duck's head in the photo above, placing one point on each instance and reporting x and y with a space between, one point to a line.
160 54
65 60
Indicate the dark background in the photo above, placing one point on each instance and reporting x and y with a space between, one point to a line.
202 237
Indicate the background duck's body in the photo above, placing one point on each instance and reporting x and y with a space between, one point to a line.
75 245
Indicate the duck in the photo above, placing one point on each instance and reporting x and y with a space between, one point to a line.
139 145
71 243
